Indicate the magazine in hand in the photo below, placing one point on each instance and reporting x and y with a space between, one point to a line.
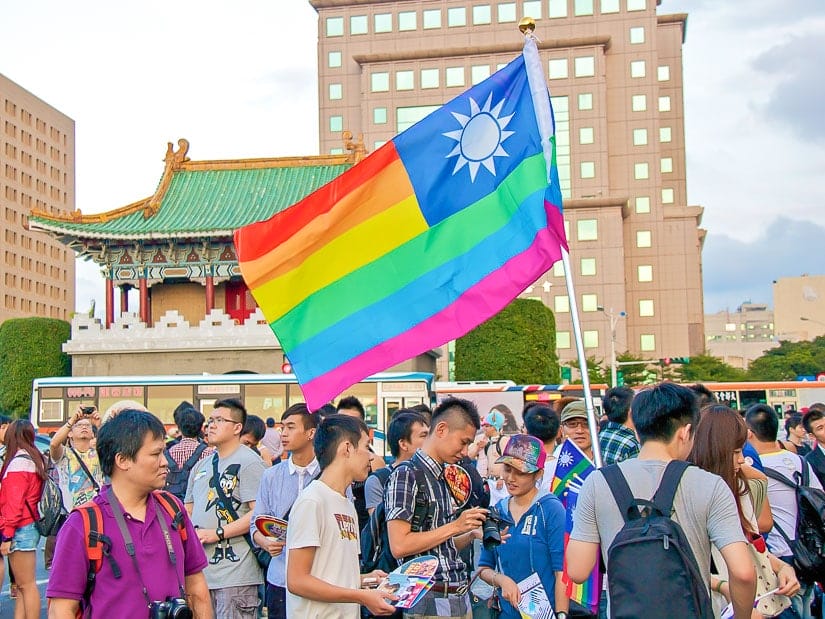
534 603
270 526
410 581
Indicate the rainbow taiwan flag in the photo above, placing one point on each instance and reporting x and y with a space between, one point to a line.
429 236
572 467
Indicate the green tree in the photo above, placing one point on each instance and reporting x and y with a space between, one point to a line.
708 368
519 343
789 360
597 372
30 348
633 374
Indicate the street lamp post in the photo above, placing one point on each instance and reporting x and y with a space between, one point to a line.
614 318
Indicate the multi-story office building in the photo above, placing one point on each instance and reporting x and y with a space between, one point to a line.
799 306
37 157
614 70
740 337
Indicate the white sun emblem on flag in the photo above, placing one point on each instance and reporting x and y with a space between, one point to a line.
480 137
565 458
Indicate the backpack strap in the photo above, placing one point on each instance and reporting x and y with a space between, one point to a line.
663 499
621 492
421 507
173 466
98 546
776 475
170 504
383 474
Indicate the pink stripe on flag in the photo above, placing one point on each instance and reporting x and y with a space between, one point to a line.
484 300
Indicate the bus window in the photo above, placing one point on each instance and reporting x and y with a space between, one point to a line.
294 395
51 411
749 398
367 394
162 400
265 400
111 395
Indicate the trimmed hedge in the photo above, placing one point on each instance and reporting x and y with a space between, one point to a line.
518 344
30 348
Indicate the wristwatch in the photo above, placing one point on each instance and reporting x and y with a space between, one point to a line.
561 614
219 533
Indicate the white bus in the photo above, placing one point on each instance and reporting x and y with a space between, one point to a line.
54 400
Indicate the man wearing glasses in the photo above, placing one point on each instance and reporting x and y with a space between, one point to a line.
220 498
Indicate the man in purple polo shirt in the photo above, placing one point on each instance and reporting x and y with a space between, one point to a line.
130 448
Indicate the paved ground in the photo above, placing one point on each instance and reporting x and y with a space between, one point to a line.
7 604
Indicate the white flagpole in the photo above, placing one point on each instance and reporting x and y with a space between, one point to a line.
544 119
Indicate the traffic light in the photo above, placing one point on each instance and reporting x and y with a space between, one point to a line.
674 360
619 379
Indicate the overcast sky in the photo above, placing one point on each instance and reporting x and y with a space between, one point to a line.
238 79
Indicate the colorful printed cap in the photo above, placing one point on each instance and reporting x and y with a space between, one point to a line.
524 453
495 418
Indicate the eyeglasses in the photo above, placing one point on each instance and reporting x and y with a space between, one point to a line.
578 424
219 420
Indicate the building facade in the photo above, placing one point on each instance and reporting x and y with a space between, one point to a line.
740 337
614 70
799 306
37 156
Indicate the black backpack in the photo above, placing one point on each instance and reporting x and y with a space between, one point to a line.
375 543
809 546
653 572
178 477
51 512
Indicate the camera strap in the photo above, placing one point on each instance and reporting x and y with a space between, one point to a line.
85 469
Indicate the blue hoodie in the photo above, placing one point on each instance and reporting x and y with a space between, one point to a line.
536 544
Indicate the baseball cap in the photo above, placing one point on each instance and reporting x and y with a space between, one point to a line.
524 453
573 410
495 418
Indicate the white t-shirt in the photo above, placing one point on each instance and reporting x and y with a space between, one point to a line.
783 497
326 520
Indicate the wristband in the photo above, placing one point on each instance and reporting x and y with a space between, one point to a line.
719 586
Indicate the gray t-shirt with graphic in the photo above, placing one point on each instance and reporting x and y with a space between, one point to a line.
231 563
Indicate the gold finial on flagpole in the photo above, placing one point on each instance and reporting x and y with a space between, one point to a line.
527 23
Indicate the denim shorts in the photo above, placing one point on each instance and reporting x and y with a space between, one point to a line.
26 538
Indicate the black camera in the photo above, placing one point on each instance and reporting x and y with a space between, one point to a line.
87 410
171 608
491 529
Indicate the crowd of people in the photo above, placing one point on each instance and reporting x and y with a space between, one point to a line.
695 512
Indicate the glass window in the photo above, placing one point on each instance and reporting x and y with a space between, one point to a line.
582 7
637 35
664 134
590 339
479 73
265 400
666 165
506 12
431 18
334 60
563 339
404 80
335 92
636 5
667 195
637 68
336 151
586 101
585 135
587 230
561 304
584 66
663 73
561 110
664 104
644 273
532 8
588 169
454 76
638 103
336 123
379 116
558 267
557 68
641 171
407 20
378 144
610 6
588 266
380 82
639 137
590 303
162 400
482 14
429 78
645 307
408 116
642 204
644 238
358 24
457 16
383 22
335 26
557 8
647 342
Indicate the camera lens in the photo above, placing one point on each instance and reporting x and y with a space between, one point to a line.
491 530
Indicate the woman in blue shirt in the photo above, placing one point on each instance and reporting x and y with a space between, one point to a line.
536 522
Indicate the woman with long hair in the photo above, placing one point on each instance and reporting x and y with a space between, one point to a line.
717 447
21 484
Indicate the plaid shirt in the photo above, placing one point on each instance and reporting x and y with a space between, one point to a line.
399 503
617 443
185 447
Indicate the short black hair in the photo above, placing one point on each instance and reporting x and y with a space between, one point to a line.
425 411
813 414
4 419
351 403
235 406
762 421
659 411
704 395
542 422
180 408
270 422
310 419
125 434
326 410
190 423
255 426
332 432
616 403
401 428
465 409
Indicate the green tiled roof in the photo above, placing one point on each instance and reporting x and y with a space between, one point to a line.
207 202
